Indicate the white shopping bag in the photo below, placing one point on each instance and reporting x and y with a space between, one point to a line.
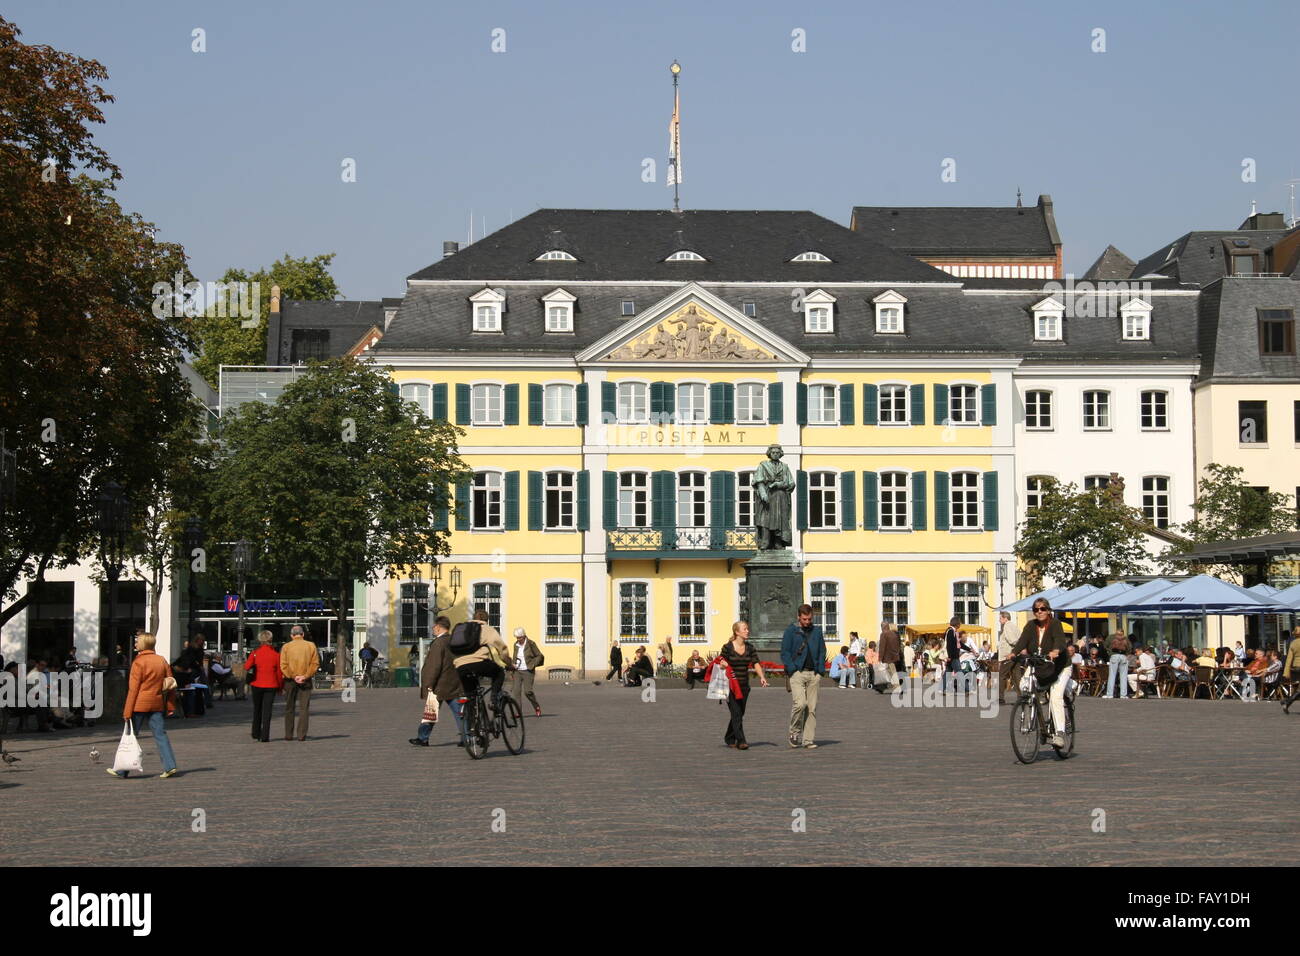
129 753
719 684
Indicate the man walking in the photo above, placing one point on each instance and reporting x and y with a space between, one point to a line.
528 657
890 652
299 661
1119 651
1007 637
952 646
803 652
1291 668
438 675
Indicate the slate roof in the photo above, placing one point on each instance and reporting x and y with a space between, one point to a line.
631 244
1199 257
1229 328
1111 265
961 230
345 320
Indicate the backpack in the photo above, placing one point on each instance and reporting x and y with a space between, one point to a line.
466 638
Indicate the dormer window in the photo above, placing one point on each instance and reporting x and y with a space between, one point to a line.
810 257
818 312
556 255
1049 320
488 304
889 312
685 255
1135 316
559 310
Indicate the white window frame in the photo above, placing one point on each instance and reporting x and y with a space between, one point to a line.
818 299
618 498
1139 312
1049 320
910 599
685 255
739 515
487 405
761 418
810 256
1110 419
907 404
1153 427
952 501
700 413
1167 493
1103 482
816 405
885 303
677 610
492 301
632 419
623 307
575 614
563 302
471 607
1040 477
1051 410
487 490
834 489
649 611
573 497
839 610
907 500
572 403
402 602
705 493
555 255
972 584
976 411
427 405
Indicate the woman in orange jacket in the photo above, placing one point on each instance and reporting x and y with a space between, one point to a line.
264 664
147 698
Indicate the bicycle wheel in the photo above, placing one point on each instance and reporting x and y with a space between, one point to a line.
1068 732
1024 730
476 731
511 724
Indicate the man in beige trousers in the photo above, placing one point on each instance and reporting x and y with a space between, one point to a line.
299 662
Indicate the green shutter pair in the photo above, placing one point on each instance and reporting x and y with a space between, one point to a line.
722 493
537 501
943 501
988 404
663 401
722 403
510 494
464 414
848 500
871 404
537 409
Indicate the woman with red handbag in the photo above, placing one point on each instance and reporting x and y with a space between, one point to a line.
737 656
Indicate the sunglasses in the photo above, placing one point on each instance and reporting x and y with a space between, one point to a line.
1041 609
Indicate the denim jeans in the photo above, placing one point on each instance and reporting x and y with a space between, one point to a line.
1118 672
427 728
158 728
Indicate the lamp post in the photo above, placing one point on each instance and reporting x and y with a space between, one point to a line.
1022 582
437 582
243 561
982 577
114 515
194 539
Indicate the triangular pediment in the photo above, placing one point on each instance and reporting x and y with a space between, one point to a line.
693 326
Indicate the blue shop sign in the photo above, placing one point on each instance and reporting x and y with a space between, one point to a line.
275 605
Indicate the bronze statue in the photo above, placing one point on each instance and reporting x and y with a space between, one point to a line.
773 485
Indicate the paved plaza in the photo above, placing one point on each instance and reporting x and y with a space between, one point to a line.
609 779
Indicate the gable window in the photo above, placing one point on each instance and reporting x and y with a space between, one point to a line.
629 307
889 319
1038 410
1276 332
556 255
810 257
893 405
824 596
559 612
487 597
558 404
488 304
823 405
692 612
966 601
1136 318
1096 410
633 500
559 500
633 608
685 255
419 396
693 402
817 312
485 405
749 308
963 406
751 403
819 318
893 500
485 509
415 613
745 499
1154 411
1155 500
1034 487
894 598
965 498
633 404
1049 318
823 500
309 345
559 310
1253 420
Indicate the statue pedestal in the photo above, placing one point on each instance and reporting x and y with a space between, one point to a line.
773 591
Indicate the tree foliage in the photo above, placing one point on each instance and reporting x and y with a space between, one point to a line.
1082 537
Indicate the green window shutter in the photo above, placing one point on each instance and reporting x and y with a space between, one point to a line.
663 401
775 404
988 404
940 405
722 501
394 389
990 501
440 402
462 405
512 405
581 403
848 495
663 504
608 401
918 404
584 501
609 500
870 405
440 511
846 405
722 397
919 504
462 505
535 412
801 403
512 501
801 494
941 501
870 500
536 501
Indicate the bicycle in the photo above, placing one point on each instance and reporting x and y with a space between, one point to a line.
481 724
1031 717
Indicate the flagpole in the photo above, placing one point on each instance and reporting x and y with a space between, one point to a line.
676 68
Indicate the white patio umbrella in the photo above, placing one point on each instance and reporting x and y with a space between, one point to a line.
1024 604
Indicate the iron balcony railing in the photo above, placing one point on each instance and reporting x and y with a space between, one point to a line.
680 541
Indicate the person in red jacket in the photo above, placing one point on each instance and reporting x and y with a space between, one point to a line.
264 664
147 698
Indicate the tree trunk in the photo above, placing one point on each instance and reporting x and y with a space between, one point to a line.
341 630
13 610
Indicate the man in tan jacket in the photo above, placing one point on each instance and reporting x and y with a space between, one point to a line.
299 662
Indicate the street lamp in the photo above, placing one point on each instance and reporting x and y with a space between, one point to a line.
982 577
243 560
437 582
1022 582
194 539
114 516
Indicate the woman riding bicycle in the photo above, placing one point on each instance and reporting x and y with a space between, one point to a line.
492 659
1044 637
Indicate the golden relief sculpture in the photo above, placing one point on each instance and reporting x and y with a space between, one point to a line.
691 341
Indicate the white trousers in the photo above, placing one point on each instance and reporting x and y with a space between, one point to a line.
1058 698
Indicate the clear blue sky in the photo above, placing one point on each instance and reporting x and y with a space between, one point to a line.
236 152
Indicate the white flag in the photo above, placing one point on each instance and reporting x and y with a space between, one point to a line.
675 143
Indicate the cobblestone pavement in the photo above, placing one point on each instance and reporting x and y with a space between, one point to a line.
607 778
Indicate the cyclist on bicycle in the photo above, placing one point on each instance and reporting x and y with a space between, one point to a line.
492 659
1043 636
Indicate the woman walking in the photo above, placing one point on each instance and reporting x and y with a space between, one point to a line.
147 699
739 656
268 680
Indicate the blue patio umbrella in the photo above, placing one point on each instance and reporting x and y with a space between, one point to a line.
1289 596
1198 595
1085 601
1123 600
1024 604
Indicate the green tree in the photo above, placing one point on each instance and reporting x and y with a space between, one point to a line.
1082 537
89 373
340 478
221 333
1227 508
